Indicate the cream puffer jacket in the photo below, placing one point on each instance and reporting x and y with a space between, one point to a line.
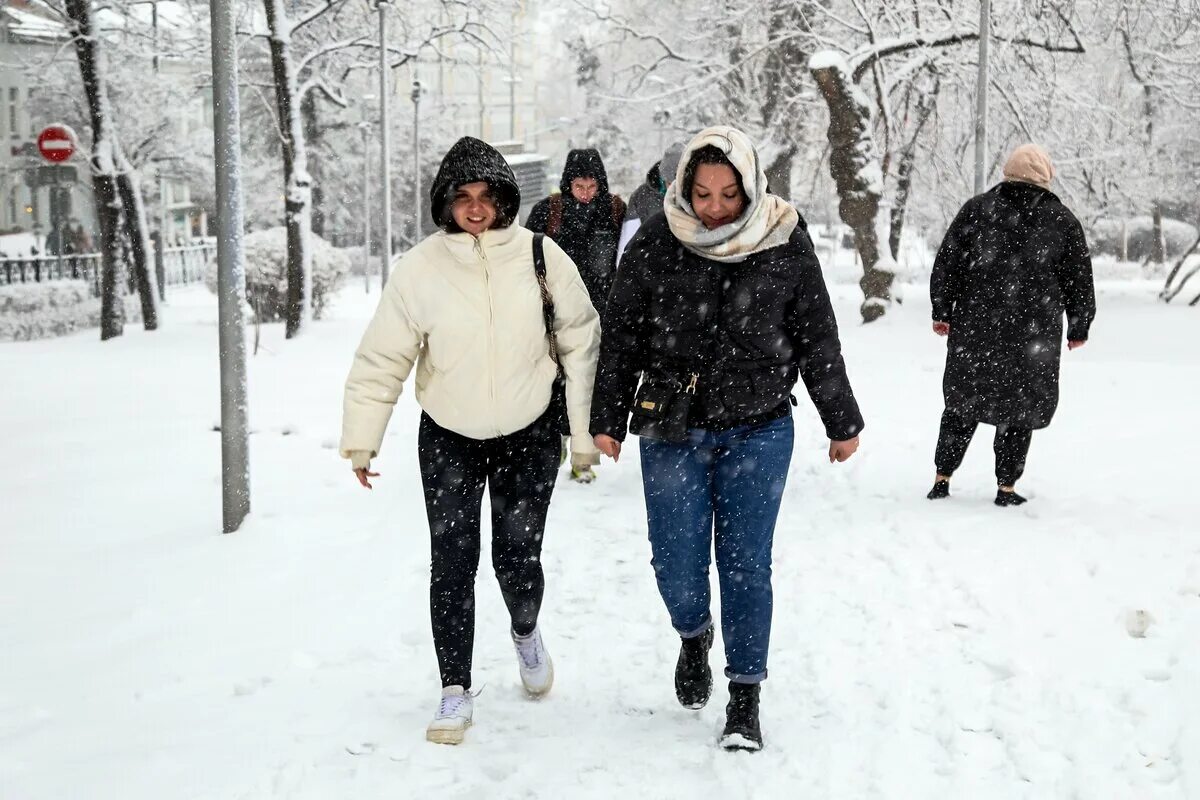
468 312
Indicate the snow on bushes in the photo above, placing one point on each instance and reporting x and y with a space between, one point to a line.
53 308
1105 237
266 272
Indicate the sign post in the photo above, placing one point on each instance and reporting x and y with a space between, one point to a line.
56 143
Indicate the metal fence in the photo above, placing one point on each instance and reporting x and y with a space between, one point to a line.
180 265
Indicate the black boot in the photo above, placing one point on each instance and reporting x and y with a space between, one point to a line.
940 490
693 676
1004 498
742 731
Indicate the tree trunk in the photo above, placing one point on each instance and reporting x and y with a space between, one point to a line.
925 104
297 183
779 173
103 166
782 83
855 167
1168 293
135 229
312 138
1158 244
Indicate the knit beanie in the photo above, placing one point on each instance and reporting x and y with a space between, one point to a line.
1029 163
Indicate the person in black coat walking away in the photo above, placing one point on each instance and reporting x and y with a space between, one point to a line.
719 307
1013 261
647 199
584 219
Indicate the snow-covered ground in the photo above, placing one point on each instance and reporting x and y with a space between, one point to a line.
954 650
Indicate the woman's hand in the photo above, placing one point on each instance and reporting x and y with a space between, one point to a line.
1075 344
941 328
608 445
363 473
841 451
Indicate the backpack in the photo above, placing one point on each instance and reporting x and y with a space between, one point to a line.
556 213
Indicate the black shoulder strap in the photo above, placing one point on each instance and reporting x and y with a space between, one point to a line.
539 268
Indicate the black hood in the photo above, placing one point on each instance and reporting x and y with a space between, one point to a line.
468 161
584 163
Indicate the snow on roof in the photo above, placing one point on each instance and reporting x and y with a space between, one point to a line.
35 21
525 158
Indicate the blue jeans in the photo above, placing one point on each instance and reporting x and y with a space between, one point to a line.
731 482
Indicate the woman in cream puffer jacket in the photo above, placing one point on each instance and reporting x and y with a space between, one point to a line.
464 306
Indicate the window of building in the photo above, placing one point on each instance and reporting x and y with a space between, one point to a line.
14 95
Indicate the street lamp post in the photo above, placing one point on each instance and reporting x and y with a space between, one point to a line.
416 99
365 127
385 144
981 93
231 276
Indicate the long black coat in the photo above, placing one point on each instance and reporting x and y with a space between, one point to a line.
1012 262
750 329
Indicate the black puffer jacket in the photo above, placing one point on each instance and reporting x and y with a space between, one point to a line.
470 160
1012 262
749 329
587 232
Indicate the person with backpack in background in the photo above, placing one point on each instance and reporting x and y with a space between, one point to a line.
584 219
504 340
647 199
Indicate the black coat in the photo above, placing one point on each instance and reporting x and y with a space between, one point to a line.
1012 262
588 232
750 329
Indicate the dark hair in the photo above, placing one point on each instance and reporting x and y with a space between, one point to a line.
710 154
503 220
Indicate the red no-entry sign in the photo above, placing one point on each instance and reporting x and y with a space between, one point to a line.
56 143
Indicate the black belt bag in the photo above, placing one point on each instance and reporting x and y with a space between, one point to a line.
660 409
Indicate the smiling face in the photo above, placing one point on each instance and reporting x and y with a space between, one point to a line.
584 189
474 207
716 198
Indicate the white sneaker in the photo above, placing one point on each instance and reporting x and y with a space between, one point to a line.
453 717
537 670
582 474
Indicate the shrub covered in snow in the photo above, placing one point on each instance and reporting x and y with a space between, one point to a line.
266 272
1105 237
54 308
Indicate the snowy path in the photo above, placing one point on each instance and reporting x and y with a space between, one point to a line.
919 651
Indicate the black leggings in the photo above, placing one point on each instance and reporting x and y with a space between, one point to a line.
1011 445
519 470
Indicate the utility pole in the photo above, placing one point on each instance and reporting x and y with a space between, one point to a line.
416 98
365 127
231 277
981 96
385 145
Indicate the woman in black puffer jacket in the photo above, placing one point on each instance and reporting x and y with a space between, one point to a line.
719 306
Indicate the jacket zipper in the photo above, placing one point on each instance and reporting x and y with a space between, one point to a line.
491 367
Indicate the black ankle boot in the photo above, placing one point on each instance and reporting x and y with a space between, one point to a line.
941 489
693 676
742 731
1004 498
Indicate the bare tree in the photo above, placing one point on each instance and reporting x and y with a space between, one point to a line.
117 202
297 182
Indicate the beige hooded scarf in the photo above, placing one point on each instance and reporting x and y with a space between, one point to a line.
766 222
1030 163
